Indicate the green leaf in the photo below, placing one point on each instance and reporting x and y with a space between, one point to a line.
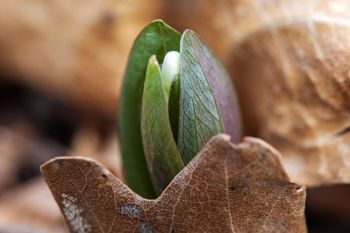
163 158
156 39
208 104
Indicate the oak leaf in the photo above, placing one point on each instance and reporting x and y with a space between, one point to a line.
293 83
225 188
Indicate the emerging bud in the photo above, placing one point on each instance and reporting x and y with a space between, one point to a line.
170 69
168 114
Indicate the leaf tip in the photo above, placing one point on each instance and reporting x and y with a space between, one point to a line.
158 21
224 137
52 163
153 60
263 144
189 31
56 164
162 23
300 189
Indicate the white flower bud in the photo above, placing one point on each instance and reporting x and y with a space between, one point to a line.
170 69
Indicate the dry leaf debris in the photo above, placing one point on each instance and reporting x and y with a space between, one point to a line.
292 80
225 188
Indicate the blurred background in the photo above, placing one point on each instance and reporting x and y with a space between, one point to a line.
61 65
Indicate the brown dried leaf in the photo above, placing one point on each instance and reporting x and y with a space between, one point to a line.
225 188
240 18
76 56
293 81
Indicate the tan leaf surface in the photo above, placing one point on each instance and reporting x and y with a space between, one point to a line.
225 188
293 82
76 50
239 18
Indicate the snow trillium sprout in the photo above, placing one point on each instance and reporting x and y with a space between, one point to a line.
170 111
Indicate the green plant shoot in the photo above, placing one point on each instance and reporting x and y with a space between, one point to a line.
176 95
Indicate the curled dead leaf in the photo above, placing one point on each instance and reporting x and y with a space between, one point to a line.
225 188
293 81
